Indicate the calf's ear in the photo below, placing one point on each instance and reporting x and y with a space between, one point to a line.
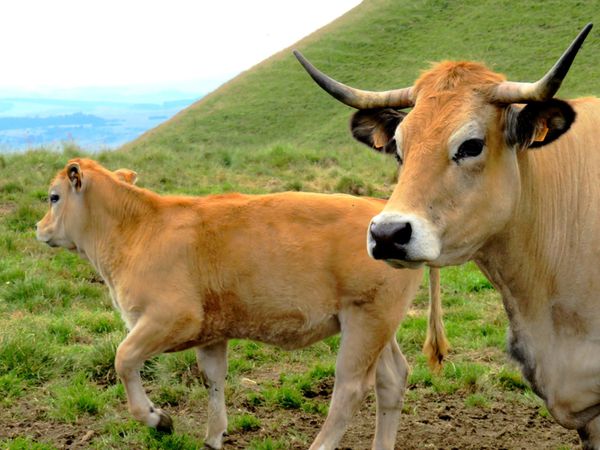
376 128
75 175
126 175
539 123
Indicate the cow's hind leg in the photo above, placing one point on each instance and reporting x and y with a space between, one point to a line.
140 345
390 385
590 435
212 361
363 337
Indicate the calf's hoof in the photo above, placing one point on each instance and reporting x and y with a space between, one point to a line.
165 423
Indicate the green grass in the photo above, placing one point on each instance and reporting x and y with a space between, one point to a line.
153 440
477 401
22 356
270 129
71 399
244 422
24 444
268 444
11 387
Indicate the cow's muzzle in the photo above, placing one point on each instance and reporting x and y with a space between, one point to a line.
402 240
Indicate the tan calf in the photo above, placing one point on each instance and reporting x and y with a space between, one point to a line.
285 269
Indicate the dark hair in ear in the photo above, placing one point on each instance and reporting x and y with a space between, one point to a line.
540 123
74 174
376 127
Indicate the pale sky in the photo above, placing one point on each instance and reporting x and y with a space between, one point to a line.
62 44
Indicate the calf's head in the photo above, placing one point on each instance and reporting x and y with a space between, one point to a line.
457 150
67 215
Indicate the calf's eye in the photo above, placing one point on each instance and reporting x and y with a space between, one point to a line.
54 198
469 148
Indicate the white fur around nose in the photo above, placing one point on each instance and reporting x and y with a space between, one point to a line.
424 244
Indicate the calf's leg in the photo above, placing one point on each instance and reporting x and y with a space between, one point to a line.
140 345
212 361
363 337
390 385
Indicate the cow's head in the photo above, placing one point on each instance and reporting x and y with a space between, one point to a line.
67 216
457 148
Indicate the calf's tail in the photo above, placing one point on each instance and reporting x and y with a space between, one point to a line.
436 345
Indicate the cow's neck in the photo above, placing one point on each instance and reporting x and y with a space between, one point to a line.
117 215
521 260
536 262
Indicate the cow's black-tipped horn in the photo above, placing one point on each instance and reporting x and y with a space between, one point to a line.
546 87
357 98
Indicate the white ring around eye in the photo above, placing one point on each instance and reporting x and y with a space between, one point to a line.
399 142
471 130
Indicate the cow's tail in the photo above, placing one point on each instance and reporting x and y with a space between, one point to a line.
436 345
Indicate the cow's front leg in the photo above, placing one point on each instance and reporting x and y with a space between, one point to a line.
590 435
212 361
141 343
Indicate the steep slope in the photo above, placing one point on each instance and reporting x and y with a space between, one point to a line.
381 44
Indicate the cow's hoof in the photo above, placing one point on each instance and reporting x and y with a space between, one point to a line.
165 424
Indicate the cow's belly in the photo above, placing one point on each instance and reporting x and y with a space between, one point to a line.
289 321
287 334
290 332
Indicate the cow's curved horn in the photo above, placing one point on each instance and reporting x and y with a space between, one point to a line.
544 88
357 98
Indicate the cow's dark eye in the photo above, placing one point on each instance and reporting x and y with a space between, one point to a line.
469 148
54 198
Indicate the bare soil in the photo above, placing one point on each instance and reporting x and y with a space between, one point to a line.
435 421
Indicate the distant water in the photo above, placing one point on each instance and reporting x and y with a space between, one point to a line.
92 125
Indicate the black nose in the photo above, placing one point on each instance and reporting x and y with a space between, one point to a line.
390 239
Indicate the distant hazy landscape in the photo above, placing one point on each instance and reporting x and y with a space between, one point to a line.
92 124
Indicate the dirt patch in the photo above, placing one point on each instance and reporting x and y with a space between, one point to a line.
7 208
435 421
440 421
30 421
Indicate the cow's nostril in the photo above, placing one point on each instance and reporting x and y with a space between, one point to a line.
391 233
403 234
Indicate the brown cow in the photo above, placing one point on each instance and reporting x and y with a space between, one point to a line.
471 188
286 269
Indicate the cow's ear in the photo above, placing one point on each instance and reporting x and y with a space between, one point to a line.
126 175
540 123
75 175
376 127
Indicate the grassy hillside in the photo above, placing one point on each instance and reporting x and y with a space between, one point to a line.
272 129
381 44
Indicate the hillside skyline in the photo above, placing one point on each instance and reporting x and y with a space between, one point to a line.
69 80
